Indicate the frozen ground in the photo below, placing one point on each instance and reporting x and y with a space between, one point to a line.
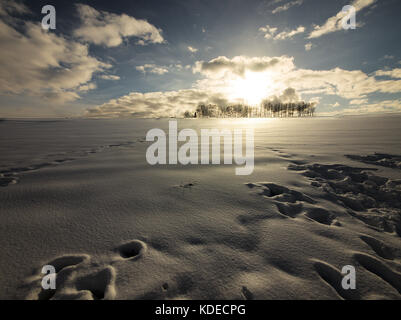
78 194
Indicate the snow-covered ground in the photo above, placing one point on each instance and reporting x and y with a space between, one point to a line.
79 195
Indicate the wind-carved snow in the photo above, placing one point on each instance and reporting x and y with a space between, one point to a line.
115 227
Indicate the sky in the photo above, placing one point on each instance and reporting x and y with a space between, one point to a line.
161 58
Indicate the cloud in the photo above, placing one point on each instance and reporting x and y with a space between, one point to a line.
41 63
268 31
275 74
359 101
386 106
395 73
155 104
289 34
334 24
109 77
10 7
152 68
109 29
192 49
289 95
287 6
280 73
87 87
271 33
238 78
308 46
240 64
353 84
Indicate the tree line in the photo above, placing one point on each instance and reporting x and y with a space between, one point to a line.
267 109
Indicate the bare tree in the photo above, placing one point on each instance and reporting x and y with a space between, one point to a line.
267 108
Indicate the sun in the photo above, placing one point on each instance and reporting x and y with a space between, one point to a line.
252 88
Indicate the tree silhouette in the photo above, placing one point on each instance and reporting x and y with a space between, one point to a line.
267 109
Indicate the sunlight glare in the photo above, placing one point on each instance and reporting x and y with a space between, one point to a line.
252 88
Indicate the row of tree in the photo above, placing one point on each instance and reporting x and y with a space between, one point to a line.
267 109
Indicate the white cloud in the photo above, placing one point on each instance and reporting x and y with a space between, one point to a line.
152 68
395 73
287 6
155 104
109 29
271 33
268 31
353 84
240 64
243 78
359 101
308 46
289 34
275 74
192 49
109 77
334 24
387 106
87 87
40 63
